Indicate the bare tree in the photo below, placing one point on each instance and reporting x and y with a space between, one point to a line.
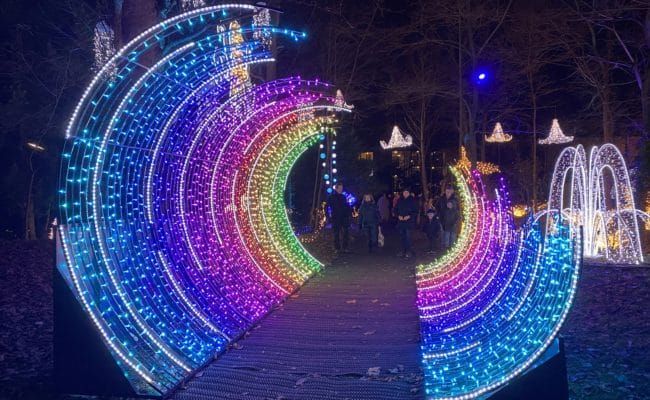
624 27
529 46
414 93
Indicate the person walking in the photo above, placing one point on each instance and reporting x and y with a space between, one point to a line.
450 224
406 210
369 219
431 228
383 204
340 217
449 214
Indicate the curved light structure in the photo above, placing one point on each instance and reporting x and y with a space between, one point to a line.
604 209
493 303
173 225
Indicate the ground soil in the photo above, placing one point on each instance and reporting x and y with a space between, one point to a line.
607 333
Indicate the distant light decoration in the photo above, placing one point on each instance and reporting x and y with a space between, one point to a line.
104 47
397 140
485 168
340 101
555 135
480 77
498 136
51 231
262 20
349 197
35 146
235 39
647 210
493 303
604 208
187 5
520 210
172 219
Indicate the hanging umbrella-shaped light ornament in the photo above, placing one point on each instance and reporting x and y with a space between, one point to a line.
555 135
498 136
340 100
397 140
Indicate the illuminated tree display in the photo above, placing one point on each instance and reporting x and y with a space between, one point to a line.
494 302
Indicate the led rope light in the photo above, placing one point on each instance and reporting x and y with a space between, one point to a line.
168 274
612 233
498 136
493 303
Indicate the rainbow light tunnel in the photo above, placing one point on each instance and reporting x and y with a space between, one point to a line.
492 305
174 229
176 239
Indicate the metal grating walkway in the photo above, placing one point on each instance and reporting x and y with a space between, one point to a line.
351 332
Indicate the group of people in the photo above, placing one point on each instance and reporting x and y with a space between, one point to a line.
440 221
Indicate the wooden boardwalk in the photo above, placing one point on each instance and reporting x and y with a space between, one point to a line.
351 332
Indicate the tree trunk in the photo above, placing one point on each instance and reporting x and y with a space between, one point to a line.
534 152
608 119
30 219
137 16
645 91
461 111
117 23
424 148
46 227
645 104
315 200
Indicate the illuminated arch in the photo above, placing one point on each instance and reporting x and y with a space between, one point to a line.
174 229
492 304
175 233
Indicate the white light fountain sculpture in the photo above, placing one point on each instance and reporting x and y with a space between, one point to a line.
582 193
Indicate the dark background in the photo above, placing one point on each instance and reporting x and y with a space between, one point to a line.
410 63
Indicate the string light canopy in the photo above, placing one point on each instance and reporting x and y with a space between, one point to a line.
555 135
173 225
397 140
601 201
498 136
493 303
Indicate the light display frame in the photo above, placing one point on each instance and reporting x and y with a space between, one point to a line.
175 234
493 303
173 225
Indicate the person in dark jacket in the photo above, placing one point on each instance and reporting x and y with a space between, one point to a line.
340 218
449 216
450 223
431 227
369 219
406 210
